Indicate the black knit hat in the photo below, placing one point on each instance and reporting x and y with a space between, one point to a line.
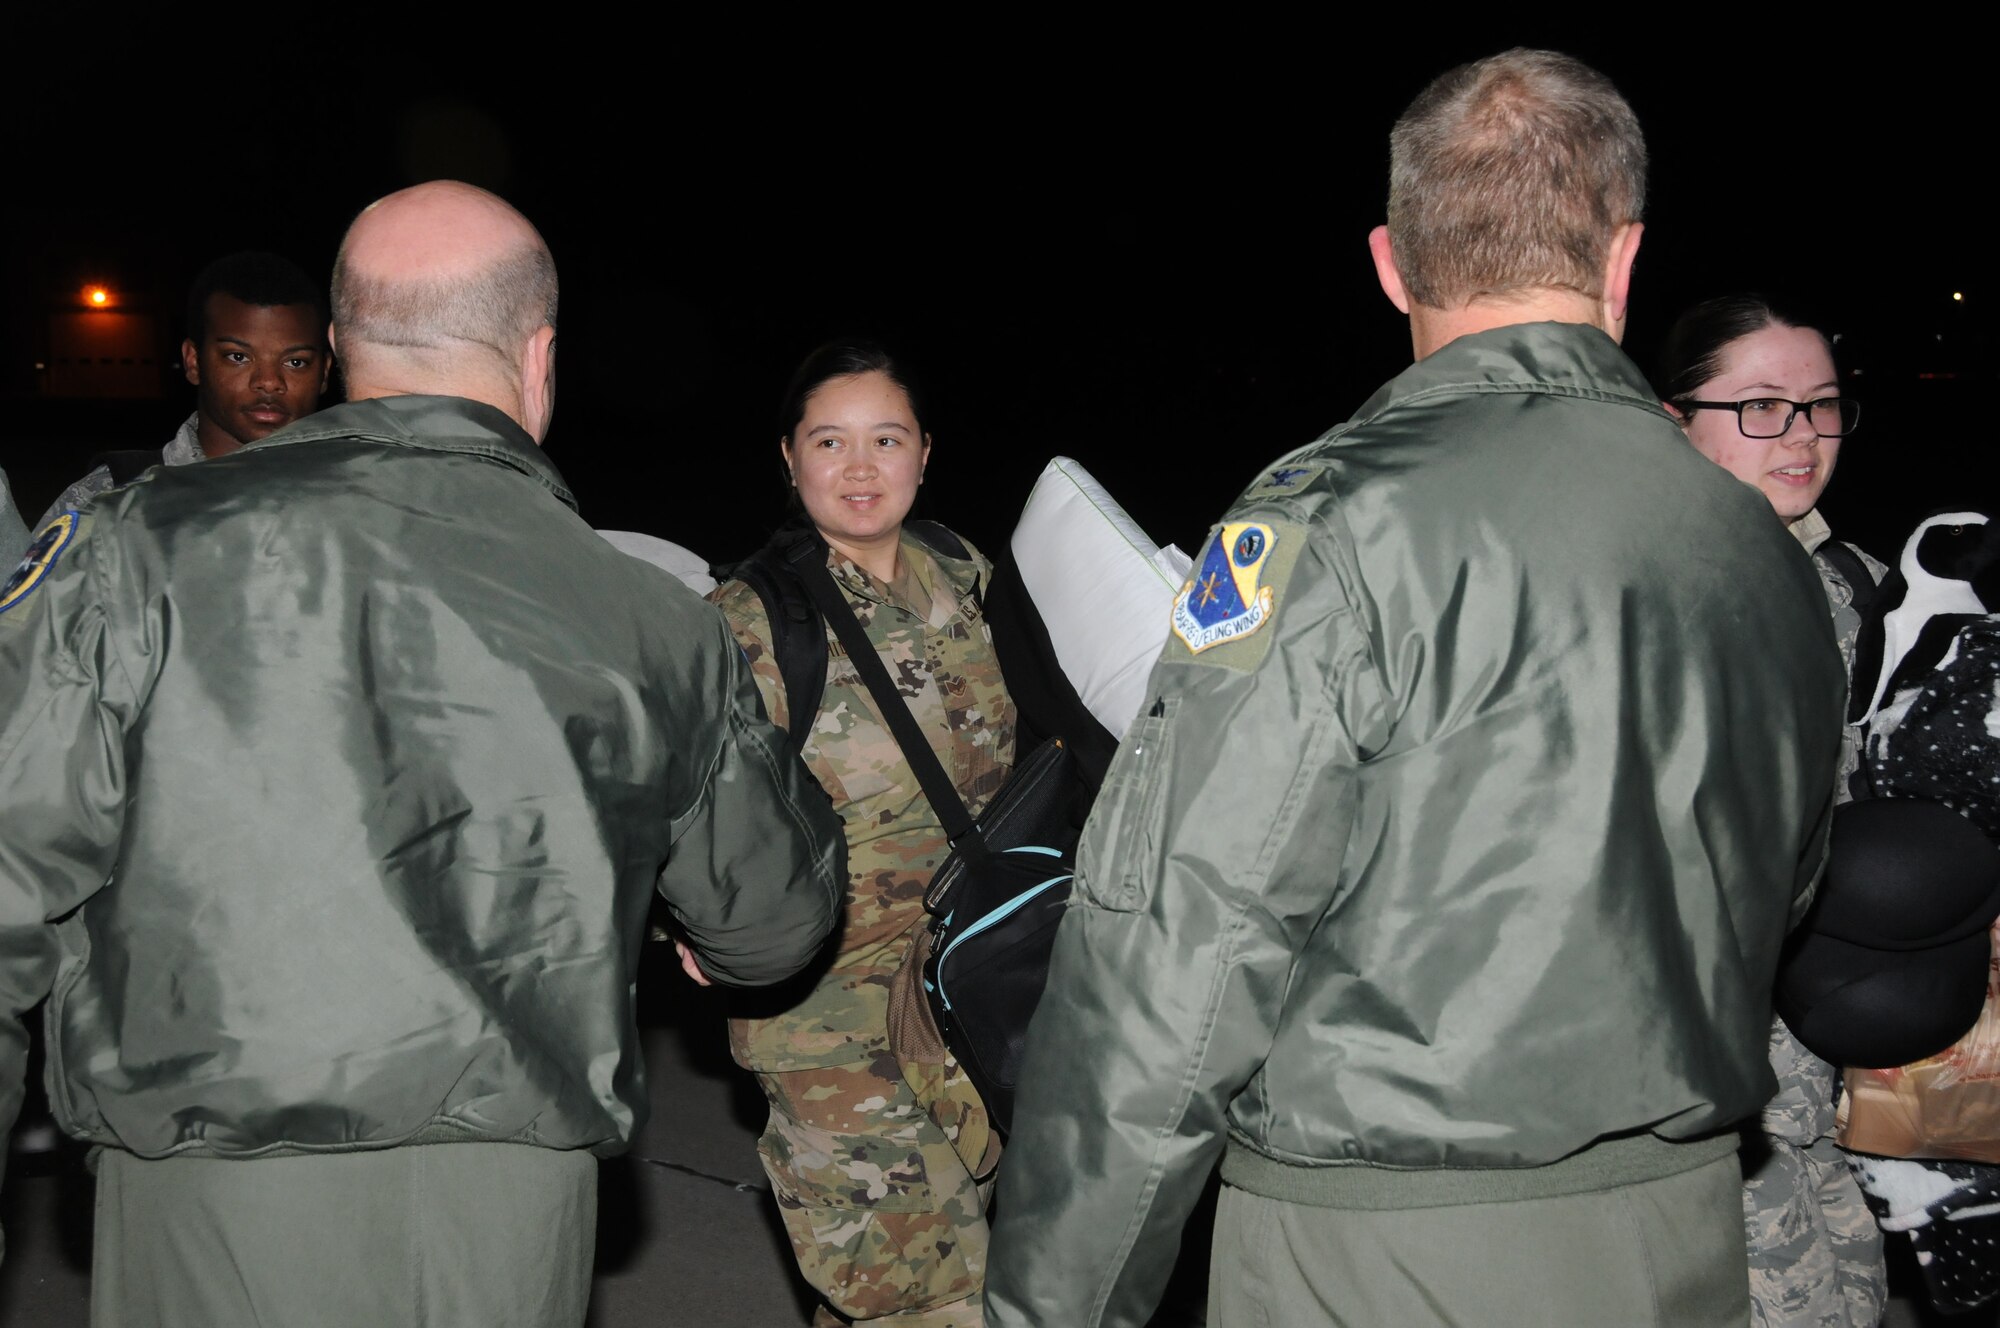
1891 964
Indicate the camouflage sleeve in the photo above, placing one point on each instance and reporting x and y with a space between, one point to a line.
1847 628
751 626
13 531
77 497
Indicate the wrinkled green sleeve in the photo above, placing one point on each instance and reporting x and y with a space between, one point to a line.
1211 854
66 700
758 861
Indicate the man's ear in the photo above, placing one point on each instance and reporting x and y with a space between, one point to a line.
190 362
538 382
1386 270
1618 276
785 452
1680 416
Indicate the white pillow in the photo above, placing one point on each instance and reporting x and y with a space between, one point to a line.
663 554
1104 589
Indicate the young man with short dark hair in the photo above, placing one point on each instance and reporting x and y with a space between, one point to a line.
257 356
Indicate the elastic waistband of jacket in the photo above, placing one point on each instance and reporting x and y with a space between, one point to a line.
1609 1164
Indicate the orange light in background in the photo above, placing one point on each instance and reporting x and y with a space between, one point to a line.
96 297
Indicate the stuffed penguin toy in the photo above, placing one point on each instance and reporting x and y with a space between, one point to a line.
1947 576
1927 670
1927 688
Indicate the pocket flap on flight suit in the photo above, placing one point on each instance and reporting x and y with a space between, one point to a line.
1123 835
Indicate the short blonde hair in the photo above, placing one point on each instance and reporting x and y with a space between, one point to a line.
1512 174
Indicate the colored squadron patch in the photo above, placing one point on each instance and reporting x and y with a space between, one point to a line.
42 553
1224 601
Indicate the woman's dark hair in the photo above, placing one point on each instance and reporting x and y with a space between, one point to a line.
1692 352
847 357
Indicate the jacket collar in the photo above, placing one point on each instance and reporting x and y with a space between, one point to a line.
1561 359
432 424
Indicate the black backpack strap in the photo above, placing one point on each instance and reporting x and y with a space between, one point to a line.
939 538
798 635
1847 563
1046 704
810 565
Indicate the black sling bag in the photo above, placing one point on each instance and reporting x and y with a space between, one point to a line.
995 902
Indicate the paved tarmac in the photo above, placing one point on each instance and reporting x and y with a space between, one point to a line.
687 1231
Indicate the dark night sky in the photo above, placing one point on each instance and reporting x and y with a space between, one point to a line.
1147 253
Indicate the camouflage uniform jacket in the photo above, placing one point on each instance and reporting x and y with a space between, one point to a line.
933 638
184 449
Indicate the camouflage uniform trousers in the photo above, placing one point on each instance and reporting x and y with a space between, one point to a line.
882 1179
1815 1251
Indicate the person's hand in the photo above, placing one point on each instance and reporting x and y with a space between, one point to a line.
692 966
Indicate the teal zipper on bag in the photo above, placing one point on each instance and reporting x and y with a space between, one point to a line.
997 915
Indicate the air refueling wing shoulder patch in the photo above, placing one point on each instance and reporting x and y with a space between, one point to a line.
1236 592
49 544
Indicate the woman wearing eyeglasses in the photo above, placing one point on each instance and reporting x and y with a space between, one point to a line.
1758 394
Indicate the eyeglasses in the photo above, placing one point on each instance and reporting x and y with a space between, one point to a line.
1771 417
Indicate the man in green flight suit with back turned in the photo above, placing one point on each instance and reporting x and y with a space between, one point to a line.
336 776
1439 890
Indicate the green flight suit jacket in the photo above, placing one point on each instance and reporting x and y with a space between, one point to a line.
1490 755
337 775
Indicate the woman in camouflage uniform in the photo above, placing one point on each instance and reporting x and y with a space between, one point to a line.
881 1165
1758 394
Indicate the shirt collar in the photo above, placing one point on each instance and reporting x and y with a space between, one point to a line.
185 448
929 588
1811 530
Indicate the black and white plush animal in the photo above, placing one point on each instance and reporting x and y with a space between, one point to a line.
1927 670
1949 574
1927 685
